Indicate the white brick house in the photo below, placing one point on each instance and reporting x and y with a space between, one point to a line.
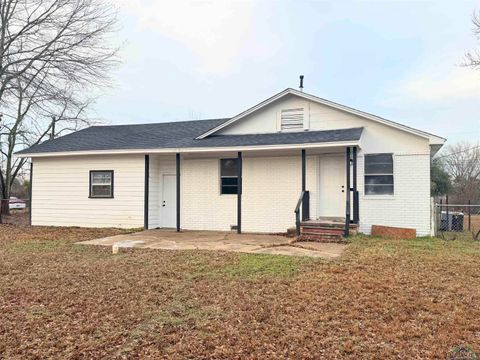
247 173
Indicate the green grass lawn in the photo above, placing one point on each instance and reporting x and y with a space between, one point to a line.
383 299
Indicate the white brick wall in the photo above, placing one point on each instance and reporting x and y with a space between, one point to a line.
271 187
409 206
271 190
203 208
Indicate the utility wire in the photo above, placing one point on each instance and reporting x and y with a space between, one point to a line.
458 152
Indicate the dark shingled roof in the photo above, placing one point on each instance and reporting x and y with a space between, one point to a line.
178 135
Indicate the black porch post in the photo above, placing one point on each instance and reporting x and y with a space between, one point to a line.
306 195
356 216
347 194
304 170
177 160
30 193
146 192
239 193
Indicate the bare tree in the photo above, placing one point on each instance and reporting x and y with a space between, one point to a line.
52 52
37 116
67 38
472 58
462 162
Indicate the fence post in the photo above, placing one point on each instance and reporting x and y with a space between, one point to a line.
469 214
448 218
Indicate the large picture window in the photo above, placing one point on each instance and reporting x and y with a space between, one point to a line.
101 184
379 174
228 176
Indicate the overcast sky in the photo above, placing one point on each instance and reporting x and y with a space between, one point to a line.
190 60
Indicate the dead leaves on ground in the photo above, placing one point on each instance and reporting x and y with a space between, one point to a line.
383 299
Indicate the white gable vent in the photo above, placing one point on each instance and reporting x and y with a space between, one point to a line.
292 119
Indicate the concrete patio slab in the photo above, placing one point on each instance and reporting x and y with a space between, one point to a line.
290 251
219 241
328 250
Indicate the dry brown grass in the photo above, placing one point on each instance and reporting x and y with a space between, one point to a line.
474 222
383 300
16 217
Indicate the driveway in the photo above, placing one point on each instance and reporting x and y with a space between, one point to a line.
220 241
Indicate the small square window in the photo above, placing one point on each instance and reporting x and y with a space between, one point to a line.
228 176
101 184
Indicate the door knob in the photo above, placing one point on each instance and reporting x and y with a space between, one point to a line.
163 203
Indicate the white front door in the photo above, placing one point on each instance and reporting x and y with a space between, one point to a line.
331 201
169 203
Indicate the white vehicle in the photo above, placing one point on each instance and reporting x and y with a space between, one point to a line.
16 204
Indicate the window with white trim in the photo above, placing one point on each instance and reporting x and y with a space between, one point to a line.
101 183
229 176
379 174
291 119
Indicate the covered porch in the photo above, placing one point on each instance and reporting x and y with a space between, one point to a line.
261 190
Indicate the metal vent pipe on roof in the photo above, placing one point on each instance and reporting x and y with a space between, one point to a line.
301 83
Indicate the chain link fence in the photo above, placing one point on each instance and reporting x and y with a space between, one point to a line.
457 221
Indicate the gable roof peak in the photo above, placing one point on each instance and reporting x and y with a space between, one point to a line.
434 139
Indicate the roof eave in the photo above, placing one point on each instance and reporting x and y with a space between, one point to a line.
437 140
194 149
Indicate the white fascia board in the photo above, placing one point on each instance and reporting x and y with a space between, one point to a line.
433 139
437 140
193 150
